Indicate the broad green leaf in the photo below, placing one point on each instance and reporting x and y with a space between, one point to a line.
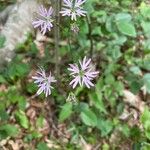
145 10
126 28
88 117
109 79
105 126
119 87
146 80
116 53
65 112
42 146
136 70
8 130
105 147
96 99
3 115
22 119
125 130
146 64
22 103
31 88
145 116
123 17
145 119
110 24
145 146
40 121
146 27
120 40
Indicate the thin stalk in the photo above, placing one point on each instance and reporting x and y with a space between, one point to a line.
56 35
90 35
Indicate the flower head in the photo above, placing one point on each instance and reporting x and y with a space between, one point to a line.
74 28
43 82
44 19
82 73
72 8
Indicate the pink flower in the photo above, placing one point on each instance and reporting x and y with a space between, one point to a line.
72 8
43 82
44 20
82 73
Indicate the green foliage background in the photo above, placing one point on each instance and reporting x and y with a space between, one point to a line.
120 34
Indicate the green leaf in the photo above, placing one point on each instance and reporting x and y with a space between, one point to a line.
145 146
105 126
96 99
65 112
22 69
109 79
123 17
23 120
31 88
126 28
88 117
146 27
2 79
105 147
145 119
2 41
8 130
40 121
145 10
125 130
116 53
145 116
42 146
22 103
136 70
3 115
146 80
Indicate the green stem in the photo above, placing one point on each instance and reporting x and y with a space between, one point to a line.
90 35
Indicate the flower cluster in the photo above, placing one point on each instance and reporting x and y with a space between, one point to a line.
71 8
82 74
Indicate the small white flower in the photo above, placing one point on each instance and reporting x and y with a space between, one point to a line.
73 9
44 20
82 73
43 82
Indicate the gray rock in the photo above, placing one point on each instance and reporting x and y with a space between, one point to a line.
17 23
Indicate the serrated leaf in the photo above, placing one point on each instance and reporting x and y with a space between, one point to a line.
65 112
88 117
22 119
